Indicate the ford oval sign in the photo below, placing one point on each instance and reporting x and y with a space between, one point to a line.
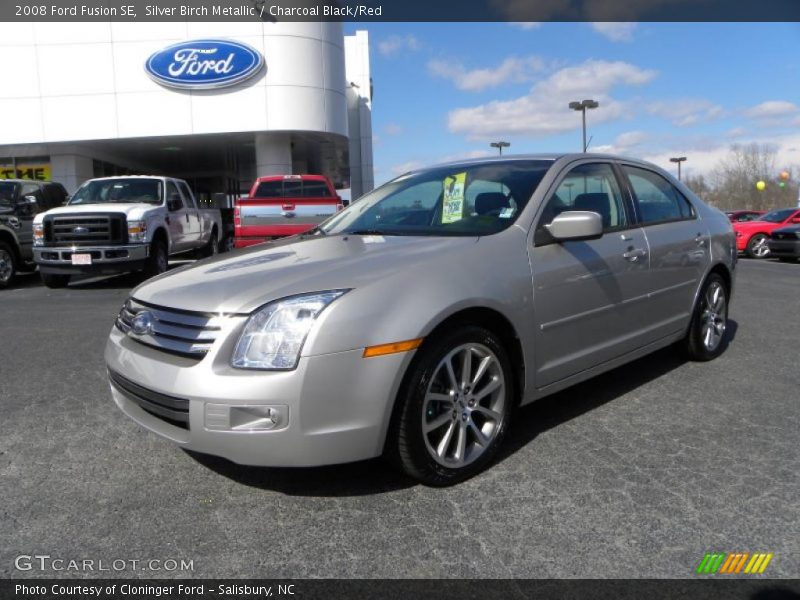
204 64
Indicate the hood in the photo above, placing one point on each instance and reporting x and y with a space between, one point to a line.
131 210
242 280
788 229
748 226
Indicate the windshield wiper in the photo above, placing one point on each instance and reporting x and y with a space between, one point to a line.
371 232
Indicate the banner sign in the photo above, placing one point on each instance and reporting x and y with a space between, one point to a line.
36 171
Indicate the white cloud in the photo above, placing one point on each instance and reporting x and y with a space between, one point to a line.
616 32
772 109
527 25
393 44
736 132
686 112
544 110
406 167
512 69
392 129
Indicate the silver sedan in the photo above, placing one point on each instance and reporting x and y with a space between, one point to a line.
414 322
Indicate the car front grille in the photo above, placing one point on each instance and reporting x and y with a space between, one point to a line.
174 411
85 229
183 333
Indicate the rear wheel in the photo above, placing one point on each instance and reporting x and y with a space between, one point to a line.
55 280
757 246
455 407
709 322
157 261
8 264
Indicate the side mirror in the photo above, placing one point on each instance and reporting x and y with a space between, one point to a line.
174 203
31 199
576 225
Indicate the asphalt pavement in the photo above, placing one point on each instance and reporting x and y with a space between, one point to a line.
637 473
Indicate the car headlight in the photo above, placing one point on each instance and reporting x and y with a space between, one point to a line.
137 231
274 335
38 234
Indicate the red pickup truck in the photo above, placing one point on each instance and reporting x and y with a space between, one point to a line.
282 205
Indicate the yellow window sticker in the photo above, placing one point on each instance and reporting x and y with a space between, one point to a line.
453 198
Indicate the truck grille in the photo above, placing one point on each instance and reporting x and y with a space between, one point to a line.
184 333
85 230
174 411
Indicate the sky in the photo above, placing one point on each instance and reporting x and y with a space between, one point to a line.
443 91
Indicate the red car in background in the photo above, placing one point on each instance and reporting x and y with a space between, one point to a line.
752 236
737 216
283 205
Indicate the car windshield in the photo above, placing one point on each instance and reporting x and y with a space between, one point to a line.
7 193
465 200
102 191
778 216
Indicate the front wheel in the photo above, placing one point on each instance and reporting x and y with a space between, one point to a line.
157 261
454 407
757 246
8 265
709 322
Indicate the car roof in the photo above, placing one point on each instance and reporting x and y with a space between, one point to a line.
132 177
469 162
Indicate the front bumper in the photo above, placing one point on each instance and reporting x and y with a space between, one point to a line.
105 259
338 405
784 248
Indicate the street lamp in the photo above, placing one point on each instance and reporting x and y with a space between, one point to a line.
500 145
679 160
582 107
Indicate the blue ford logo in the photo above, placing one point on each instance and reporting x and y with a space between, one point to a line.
204 64
80 230
142 323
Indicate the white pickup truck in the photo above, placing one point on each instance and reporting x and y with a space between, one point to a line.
118 224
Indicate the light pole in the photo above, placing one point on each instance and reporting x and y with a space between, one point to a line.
583 106
679 160
500 145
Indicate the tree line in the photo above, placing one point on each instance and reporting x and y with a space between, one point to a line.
732 182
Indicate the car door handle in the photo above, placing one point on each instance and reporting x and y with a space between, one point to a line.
699 240
634 254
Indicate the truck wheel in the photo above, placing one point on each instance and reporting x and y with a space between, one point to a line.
55 280
8 264
213 245
157 261
227 244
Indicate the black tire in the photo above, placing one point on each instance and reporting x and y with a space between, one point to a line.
212 247
695 345
757 246
8 265
158 260
55 280
227 244
411 449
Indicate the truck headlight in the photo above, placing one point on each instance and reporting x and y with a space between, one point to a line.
38 234
274 335
137 231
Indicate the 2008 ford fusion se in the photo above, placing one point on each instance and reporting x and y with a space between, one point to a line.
413 323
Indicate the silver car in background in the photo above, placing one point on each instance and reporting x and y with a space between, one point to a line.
414 322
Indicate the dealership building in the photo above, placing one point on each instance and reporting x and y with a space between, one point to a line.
217 104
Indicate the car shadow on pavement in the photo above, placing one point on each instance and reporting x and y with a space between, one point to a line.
376 476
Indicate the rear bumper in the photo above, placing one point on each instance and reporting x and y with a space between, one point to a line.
105 259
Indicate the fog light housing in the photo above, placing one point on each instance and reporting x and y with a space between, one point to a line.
254 418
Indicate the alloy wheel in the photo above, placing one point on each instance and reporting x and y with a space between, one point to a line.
464 405
6 265
714 316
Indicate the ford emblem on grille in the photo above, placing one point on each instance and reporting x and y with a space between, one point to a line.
80 230
142 323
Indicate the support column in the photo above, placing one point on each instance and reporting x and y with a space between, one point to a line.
71 170
273 154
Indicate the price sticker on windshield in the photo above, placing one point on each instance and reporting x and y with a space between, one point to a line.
453 198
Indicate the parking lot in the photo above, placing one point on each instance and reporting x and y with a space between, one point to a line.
637 473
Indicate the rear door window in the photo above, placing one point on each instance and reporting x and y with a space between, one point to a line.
316 189
656 199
